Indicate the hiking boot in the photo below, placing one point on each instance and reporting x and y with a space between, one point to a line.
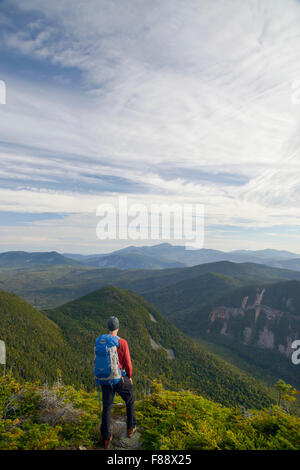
131 431
107 443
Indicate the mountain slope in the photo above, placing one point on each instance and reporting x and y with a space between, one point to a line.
12 259
293 264
50 286
131 261
166 252
179 298
158 349
245 273
161 256
258 323
35 344
266 254
169 252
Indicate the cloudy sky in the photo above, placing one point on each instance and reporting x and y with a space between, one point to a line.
163 101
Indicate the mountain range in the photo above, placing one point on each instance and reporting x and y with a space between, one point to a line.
161 256
40 343
246 313
166 255
13 259
51 286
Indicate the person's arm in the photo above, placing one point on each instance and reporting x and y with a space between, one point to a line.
127 360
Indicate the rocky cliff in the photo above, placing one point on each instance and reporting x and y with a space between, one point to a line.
257 323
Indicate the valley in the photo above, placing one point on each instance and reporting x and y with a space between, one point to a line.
246 314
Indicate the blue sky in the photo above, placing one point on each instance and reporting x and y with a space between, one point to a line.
165 101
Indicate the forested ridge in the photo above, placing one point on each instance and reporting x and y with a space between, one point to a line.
50 286
194 401
40 343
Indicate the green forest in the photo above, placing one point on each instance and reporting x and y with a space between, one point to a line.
63 339
189 400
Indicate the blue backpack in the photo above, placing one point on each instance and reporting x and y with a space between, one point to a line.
106 362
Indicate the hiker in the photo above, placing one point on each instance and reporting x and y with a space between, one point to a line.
118 377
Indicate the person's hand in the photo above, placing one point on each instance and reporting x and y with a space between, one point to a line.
131 381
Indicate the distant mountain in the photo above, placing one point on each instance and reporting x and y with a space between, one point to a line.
161 256
266 254
244 272
166 255
293 264
131 261
257 322
50 286
13 259
78 257
169 252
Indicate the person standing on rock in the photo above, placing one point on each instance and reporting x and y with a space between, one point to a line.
119 380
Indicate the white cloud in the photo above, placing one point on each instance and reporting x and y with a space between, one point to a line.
200 85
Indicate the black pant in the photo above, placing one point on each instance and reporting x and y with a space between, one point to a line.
125 389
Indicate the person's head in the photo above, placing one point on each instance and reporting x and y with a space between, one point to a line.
113 325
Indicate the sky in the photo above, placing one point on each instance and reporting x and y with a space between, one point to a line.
193 102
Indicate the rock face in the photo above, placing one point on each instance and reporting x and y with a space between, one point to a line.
170 352
258 324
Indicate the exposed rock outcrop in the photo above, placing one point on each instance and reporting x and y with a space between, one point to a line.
257 323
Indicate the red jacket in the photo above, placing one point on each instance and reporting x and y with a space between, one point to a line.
124 357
